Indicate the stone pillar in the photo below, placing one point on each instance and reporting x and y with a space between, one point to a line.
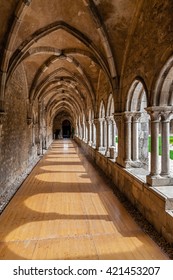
89 133
97 127
76 133
93 136
104 135
100 135
128 138
154 159
108 121
83 131
33 134
165 164
113 143
135 138
118 117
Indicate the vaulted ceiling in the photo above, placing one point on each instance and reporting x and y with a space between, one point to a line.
70 50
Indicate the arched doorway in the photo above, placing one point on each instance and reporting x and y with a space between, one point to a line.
66 129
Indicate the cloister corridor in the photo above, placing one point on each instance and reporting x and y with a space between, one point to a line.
66 210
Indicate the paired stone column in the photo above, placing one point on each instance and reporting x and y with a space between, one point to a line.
118 117
87 131
96 133
165 164
154 163
93 135
89 141
108 134
104 135
83 131
135 137
127 136
113 142
159 115
101 134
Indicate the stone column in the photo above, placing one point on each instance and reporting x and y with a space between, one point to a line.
97 127
135 142
93 134
76 132
83 132
113 144
33 134
104 135
87 131
128 138
154 161
118 117
90 133
165 163
100 134
108 121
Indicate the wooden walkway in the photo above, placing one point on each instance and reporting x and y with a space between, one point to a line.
65 210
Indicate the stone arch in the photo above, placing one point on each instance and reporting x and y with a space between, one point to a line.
102 110
161 114
110 106
102 125
137 118
111 149
7 52
163 88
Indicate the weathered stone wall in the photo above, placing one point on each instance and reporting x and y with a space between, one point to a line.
16 148
151 44
144 198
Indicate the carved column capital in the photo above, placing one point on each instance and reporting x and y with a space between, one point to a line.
118 117
127 116
156 112
165 116
136 116
101 119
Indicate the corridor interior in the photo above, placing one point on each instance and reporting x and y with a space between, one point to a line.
66 210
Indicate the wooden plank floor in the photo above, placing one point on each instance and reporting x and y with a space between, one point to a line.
65 210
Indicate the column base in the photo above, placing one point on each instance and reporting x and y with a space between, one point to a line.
112 152
159 180
107 153
123 163
136 164
101 149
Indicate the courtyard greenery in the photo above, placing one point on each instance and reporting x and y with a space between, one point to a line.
160 145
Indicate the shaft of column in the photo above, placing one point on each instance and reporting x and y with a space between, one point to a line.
96 134
104 134
113 134
108 137
127 137
135 153
89 133
165 164
154 148
101 134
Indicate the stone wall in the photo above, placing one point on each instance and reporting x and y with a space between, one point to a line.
17 152
149 202
150 45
